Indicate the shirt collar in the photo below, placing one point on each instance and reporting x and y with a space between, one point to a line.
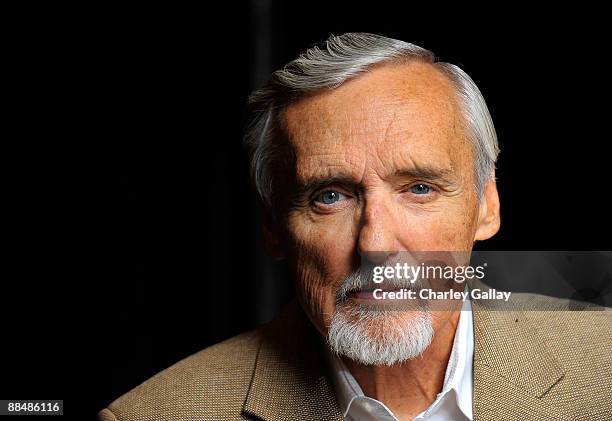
459 371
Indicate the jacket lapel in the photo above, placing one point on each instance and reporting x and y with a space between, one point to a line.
513 370
289 380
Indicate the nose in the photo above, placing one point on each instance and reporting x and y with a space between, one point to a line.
377 233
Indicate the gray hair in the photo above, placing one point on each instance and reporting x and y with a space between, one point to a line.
328 65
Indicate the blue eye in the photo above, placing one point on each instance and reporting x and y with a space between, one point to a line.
329 197
420 189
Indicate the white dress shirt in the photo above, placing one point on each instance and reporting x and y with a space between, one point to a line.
454 402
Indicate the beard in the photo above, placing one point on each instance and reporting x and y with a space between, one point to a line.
372 335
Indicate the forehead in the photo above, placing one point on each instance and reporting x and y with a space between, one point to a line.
391 117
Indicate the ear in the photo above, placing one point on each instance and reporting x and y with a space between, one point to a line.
488 213
272 237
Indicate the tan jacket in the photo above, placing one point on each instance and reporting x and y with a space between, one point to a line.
528 365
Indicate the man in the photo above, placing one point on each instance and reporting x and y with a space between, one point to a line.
365 149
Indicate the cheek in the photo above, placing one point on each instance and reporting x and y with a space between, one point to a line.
322 256
456 233
449 228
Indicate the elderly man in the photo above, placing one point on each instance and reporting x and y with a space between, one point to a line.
362 148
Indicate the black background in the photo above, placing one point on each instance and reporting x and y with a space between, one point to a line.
133 237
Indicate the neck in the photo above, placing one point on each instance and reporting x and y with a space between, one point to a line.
411 387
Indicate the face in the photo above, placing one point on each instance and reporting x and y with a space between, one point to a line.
382 164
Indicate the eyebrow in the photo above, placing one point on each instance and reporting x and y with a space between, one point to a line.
427 173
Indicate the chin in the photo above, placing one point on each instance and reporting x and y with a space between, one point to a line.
379 337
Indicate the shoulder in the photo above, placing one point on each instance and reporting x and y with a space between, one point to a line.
568 326
561 315
210 384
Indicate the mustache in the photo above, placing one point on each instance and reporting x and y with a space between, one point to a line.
361 280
